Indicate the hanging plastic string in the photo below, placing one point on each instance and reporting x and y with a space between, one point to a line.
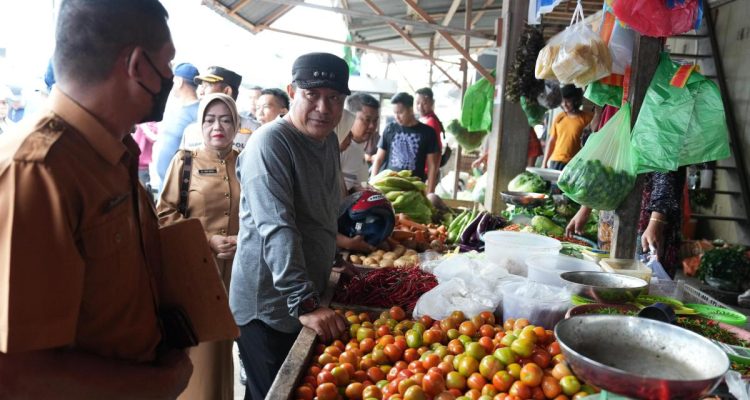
577 14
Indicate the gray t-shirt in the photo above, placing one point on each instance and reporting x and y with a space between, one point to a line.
288 223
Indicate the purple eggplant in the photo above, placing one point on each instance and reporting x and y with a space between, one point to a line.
466 234
484 224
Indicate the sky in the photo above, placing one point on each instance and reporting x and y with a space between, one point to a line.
205 38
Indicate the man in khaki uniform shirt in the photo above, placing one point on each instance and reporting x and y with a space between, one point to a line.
79 242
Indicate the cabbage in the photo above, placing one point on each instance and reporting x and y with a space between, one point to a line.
528 182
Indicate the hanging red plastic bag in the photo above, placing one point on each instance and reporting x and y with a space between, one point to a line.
659 18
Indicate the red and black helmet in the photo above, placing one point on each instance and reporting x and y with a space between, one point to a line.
367 213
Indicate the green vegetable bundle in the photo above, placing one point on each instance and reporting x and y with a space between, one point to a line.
468 140
528 182
406 194
726 268
603 173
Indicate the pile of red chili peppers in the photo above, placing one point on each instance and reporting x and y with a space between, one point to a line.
386 287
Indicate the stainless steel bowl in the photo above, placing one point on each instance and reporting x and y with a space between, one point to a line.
641 358
604 287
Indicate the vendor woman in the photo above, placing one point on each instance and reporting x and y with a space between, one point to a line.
567 129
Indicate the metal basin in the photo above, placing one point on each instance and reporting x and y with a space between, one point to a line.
604 287
641 358
525 199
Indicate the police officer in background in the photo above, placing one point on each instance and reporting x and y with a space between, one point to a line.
79 248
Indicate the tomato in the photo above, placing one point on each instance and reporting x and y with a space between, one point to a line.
400 341
313 370
363 333
333 351
397 313
433 383
416 367
455 347
505 355
405 384
383 330
393 352
531 374
467 328
529 335
326 358
537 393
551 387
488 317
521 323
473 394
327 391
489 366
489 390
413 338
541 358
476 381
375 374
558 359
508 339
386 339
379 356
560 371
348 357
401 365
475 350
445 367
419 327
418 377
304 392
431 360
553 348
414 393
364 316
514 370
465 339
454 380
366 362
561 397
354 390
467 365
570 385
448 324
366 345
426 320
441 351
341 375
360 376
520 389
432 336
445 396
325 376
458 316
453 334
404 374
579 395
502 381
522 347
410 355
487 331
371 392
487 344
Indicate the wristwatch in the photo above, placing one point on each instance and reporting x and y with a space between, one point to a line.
308 305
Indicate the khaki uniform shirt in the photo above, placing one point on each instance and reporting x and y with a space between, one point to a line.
79 243
213 197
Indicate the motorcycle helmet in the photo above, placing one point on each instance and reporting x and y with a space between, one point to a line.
367 213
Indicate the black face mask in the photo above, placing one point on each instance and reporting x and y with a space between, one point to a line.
160 98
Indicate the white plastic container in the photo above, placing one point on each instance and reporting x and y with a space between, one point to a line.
547 269
543 305
511 249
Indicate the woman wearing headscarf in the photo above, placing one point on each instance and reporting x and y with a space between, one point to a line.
202 184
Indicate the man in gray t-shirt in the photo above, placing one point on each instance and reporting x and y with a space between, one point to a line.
289 174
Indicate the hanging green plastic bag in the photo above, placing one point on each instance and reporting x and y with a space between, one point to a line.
468 140
680 125
476 113
602 94
603 173
534 112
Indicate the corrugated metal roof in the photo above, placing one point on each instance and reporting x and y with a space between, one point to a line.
371 31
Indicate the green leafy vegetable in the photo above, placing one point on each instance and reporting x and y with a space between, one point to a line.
726 268
528 182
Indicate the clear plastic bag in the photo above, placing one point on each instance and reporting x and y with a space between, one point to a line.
602 174
476 272
619 39
454 295
541 304
582 57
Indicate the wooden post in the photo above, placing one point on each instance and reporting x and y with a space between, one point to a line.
509 138
645 60
464 84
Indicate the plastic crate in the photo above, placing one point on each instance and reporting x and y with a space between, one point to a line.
693 295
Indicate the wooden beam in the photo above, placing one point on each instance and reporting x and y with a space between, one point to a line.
448 38
645 60
238 6
276 15
352 44
509 138
365 15
230 15
447 19
408 39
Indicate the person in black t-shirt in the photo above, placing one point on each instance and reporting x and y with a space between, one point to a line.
408 144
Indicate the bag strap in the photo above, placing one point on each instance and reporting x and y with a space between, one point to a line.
187 170
577 14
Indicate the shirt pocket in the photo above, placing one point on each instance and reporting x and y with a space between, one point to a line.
111 248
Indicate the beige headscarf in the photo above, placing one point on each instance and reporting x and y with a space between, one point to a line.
208 99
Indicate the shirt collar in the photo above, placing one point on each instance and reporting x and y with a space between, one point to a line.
100 138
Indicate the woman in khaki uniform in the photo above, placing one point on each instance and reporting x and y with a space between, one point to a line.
213 195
